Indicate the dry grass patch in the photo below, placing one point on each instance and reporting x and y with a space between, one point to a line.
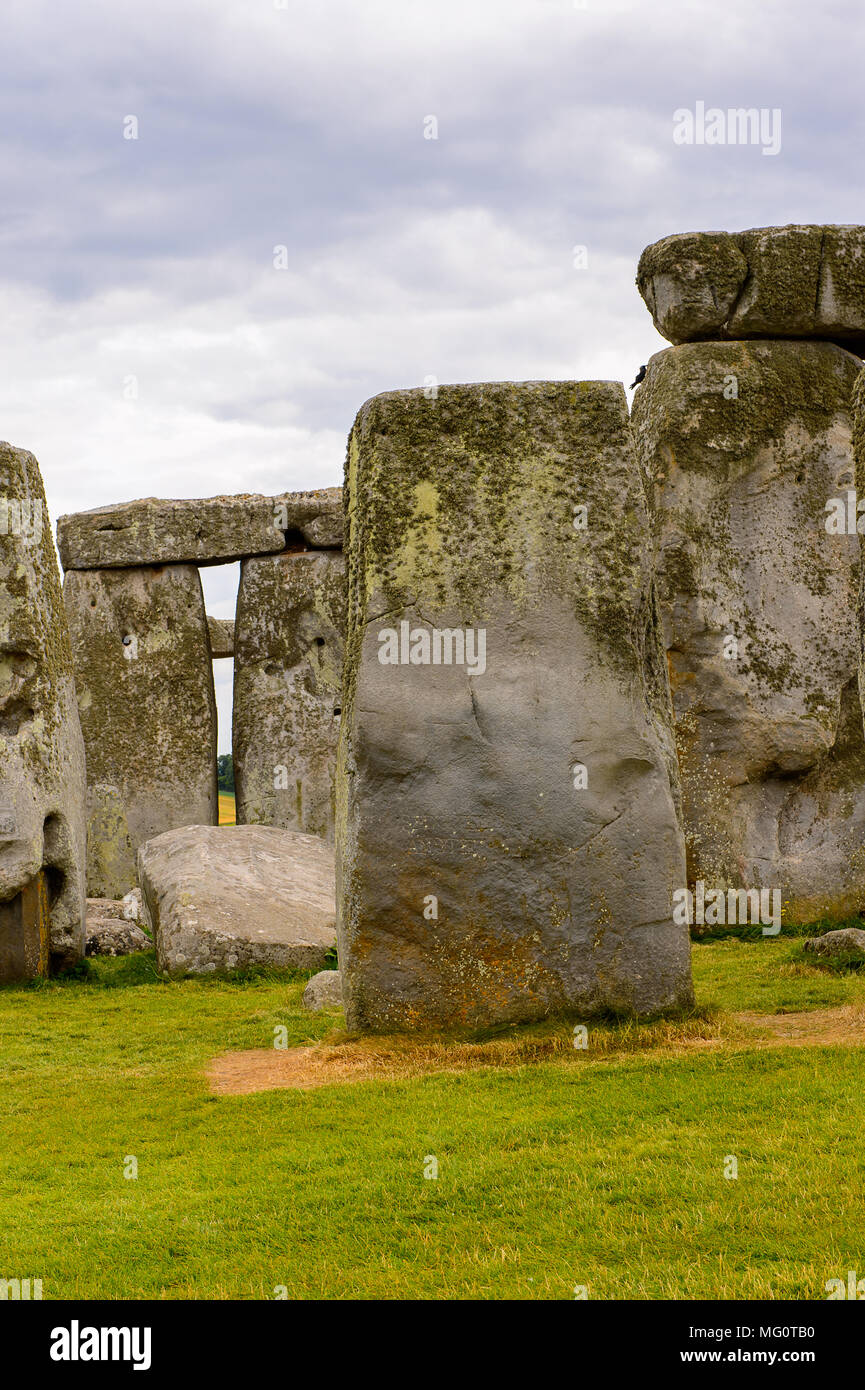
342 1059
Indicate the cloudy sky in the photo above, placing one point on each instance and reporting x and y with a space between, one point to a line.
151 345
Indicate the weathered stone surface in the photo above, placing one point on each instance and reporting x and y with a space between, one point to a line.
475 882
109 932
145 691
287 690
41 751
132 906
203 531
743 445
222 898
25 932
859 491
690 283
221 634
780 282
847 942
324 991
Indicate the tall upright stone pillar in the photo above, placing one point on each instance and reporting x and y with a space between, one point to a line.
508 843
745 442
287 689
145 690
42 788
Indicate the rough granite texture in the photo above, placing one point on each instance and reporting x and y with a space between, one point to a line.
42 831
227 897
287 690
202 531
109 932
769 282
770 743
147 711
455 792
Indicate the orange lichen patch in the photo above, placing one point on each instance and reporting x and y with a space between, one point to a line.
377 1059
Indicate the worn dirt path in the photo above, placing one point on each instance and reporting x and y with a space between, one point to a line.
329 1064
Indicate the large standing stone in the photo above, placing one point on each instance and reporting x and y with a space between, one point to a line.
777 282
859 480
204 531
289 641
41 751
478 879
743 445
228 897
145 691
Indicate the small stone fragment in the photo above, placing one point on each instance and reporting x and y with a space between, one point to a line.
324 991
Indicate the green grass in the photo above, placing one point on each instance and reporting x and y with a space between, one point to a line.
774 975
586 1169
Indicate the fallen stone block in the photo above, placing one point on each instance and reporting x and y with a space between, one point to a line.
849 941
145 690
507 833
324 991
288 690
201 531
42 827
110 933
798 281
227 897
743 446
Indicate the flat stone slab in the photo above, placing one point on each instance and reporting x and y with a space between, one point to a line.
798 281
225 897
201 531
109 932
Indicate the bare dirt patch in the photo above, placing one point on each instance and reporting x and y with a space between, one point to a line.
370 1059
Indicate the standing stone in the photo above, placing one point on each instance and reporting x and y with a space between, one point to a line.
145 691
743 446
41 750
221 634
289 639
859 496
508 841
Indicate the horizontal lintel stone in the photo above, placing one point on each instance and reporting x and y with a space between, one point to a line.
201 531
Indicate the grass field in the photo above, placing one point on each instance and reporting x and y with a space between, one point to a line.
226 808
557 1167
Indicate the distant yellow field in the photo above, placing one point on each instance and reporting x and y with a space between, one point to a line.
226 808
